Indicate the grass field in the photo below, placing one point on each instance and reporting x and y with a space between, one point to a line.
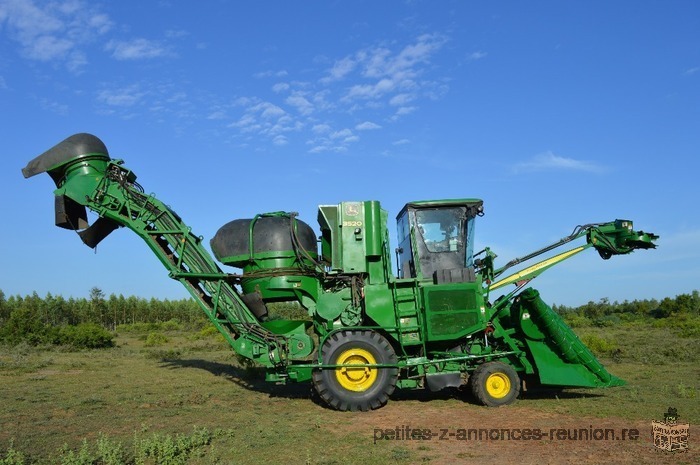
179 397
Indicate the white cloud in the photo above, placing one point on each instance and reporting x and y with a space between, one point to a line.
279 140
267 110
280 87
54 31
76 61
389 79
340 69
299 101
367 125
100 23
270 73
243 101
48 47
401 142
381 62
328 140
217 115
327 147
401 99
403 111
370 91
265 119
246 123
176 33
548 161
122 97
55 107
136 49
342 134
321 128
477 56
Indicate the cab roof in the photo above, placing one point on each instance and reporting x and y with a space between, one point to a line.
418 204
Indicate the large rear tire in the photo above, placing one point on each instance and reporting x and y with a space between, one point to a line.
495 384
361 388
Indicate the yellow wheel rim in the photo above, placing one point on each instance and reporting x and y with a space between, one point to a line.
356 379
498 385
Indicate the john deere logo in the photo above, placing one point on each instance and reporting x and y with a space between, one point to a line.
352 209
669 435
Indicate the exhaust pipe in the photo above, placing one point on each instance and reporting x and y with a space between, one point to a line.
77 165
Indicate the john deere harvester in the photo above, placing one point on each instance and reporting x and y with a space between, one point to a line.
368 331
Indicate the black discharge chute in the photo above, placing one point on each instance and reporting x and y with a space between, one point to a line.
69 213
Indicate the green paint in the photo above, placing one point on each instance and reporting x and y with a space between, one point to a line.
434 314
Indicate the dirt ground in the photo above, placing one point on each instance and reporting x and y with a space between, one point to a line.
440 435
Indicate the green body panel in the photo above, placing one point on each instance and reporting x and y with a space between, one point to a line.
559 355
352 235
83 176
435 312
330 305
453 311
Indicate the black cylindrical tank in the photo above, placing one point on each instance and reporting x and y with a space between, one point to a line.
231 244
275 266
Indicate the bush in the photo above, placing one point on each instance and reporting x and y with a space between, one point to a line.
577 321
24 325
599 345
155 339
606 321
12 457
168 449
84 336
171 325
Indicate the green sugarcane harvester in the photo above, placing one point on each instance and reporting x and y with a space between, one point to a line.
369 331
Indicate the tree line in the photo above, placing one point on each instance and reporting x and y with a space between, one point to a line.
84 322
604 312
54 319
106 311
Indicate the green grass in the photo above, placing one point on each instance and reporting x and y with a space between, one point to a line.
63 401
659 364
188 393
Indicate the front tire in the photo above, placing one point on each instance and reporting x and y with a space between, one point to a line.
361 388
495 384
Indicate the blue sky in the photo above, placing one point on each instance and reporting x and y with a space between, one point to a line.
556 113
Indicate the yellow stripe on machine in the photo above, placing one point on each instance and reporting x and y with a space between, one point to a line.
532 271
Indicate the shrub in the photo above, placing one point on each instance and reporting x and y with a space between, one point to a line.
155 339
24 325
577 321
84 336
599 345
171 325
12 457
24 328
168 449
164 354
689 328
607 320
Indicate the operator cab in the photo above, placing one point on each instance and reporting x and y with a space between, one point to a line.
436 239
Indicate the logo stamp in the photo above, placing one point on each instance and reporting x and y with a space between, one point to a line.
669 435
